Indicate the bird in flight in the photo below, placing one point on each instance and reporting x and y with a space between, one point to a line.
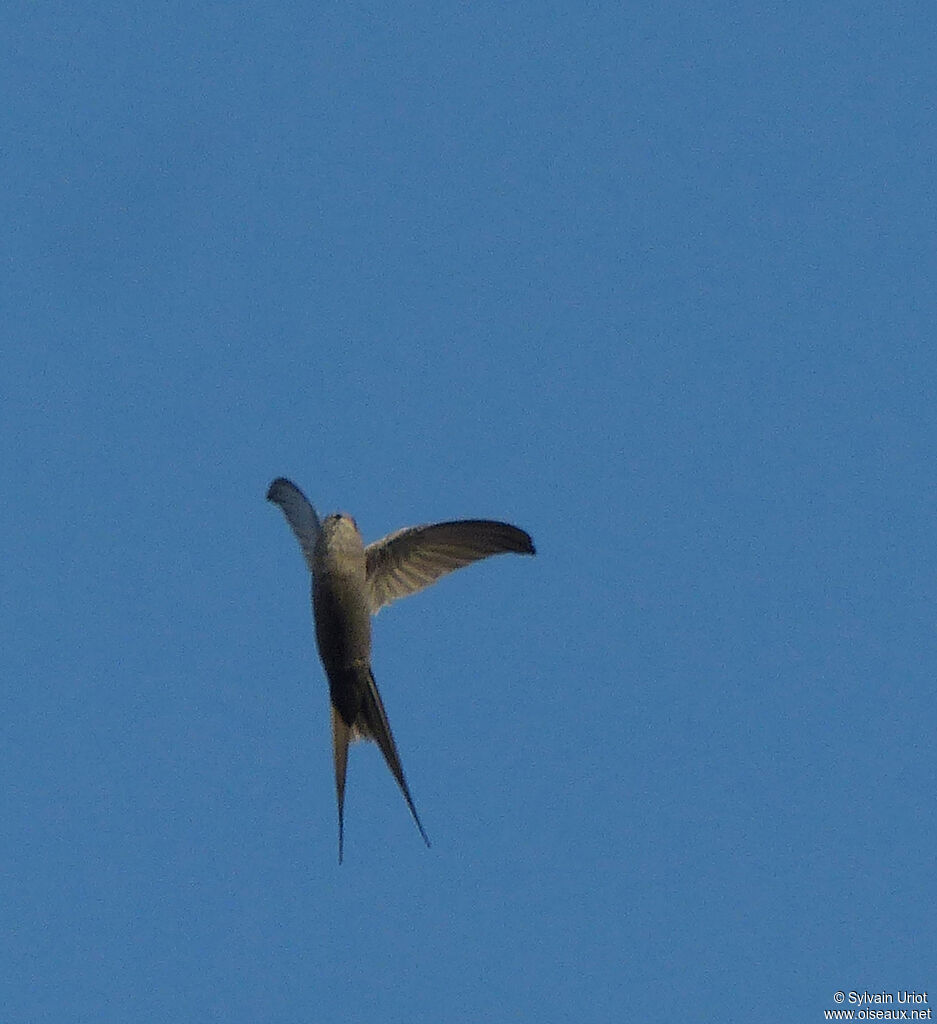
350 583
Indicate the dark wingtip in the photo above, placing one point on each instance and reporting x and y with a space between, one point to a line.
525 543
275 486
508 536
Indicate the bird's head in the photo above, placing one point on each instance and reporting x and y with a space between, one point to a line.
340 535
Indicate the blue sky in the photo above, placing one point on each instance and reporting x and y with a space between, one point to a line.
654 283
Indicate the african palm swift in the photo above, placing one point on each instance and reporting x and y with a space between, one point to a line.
350 583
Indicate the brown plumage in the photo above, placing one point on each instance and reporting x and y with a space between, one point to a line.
349 584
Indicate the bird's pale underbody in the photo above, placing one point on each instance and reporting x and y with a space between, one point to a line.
350 583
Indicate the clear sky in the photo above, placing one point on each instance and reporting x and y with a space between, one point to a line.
656 282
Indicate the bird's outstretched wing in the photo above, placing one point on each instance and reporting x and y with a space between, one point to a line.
299 514
405 562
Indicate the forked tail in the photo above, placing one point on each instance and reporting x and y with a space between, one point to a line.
370 721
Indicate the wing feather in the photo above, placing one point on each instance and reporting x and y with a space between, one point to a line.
299 514
409 560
